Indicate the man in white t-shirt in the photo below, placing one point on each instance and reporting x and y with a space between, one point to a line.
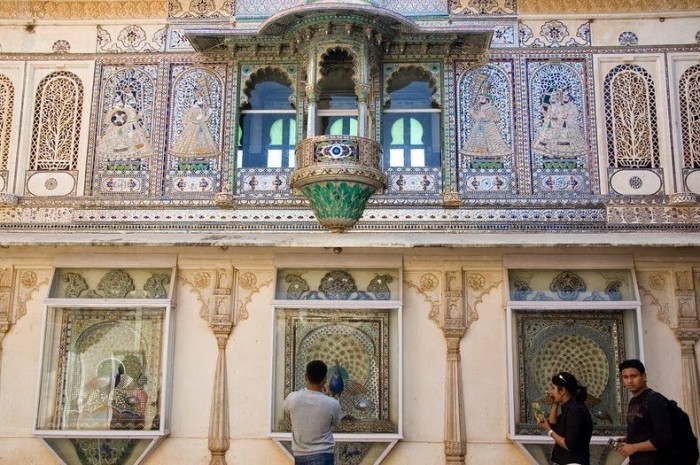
313 415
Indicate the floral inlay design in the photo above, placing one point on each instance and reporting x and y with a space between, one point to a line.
689 96
7 101
628 38
568 285
56 125
630 118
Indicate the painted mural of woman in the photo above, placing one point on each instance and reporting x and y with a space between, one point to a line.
560 135
195 140
485 139
124 137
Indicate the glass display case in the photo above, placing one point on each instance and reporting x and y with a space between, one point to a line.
351 320
583 321
103 394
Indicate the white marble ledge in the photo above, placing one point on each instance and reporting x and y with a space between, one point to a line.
360 239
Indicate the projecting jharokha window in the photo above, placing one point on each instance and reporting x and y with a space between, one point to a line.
630 118
690 116
56 126
411 122
268 123
105 364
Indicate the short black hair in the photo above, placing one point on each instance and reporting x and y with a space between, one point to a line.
632 363
316 371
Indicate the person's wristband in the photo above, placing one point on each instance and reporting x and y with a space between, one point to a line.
550 433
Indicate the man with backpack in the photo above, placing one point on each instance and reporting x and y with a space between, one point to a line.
658 431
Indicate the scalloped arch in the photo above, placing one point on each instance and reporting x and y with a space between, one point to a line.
413 72
267 73
350 50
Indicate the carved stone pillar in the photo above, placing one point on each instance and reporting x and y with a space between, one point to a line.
455 429
221 320
688 333
219 441
690 376
454 312
454 328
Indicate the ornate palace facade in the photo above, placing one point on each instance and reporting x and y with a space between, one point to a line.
447 201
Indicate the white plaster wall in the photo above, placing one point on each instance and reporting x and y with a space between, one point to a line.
484 370
19 375
485 374
649 30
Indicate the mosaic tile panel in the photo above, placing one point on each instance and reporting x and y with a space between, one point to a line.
588 344
504 36
56 122
561 156
261 8
355 346
7 103
263 180
194 156
177 41
630 118
689 102
485 100
416 7
124 150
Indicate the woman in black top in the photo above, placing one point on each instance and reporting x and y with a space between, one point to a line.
573 427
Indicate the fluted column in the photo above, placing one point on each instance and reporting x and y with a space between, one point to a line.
455 429
219 441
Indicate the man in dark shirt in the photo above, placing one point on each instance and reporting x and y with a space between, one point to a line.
648 425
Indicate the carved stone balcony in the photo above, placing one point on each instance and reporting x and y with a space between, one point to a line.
338 174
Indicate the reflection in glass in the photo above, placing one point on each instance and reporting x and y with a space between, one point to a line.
106 372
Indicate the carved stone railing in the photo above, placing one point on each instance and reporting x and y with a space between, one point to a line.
338 174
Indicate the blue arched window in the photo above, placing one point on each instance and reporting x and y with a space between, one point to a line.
267 136
411 126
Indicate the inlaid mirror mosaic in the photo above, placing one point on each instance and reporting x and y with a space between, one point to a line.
102 398
348 318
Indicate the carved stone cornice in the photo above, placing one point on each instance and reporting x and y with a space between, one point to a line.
690 335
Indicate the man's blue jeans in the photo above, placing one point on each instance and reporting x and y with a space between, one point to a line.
316 459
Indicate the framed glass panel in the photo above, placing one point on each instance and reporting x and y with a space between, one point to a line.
358 345
412 139
103 393
589 344
103 369
267 140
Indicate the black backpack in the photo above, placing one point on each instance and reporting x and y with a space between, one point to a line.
684 444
